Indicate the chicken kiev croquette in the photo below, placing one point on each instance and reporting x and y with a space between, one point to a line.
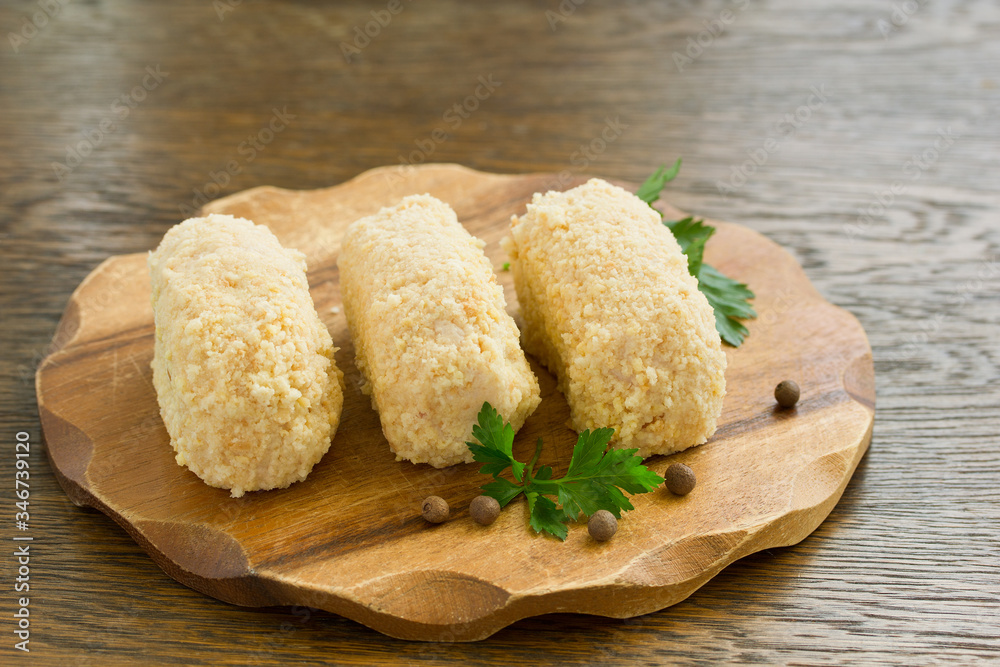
610 308
430 328
243 367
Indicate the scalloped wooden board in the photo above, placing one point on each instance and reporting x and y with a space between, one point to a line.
350 538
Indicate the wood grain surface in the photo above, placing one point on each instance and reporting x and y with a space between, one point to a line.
904 571
350 540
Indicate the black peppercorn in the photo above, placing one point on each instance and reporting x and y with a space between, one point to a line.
435 509
602 525
484 510
786 393
680 479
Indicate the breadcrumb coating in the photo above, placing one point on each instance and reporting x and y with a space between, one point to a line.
243 367
610 308
431 332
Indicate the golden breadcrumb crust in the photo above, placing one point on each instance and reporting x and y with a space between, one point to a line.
243 367
610 308
430 329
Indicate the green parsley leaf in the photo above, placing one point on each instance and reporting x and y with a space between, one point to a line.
498 441
545 516
650 190
692 235
729 298
503 490
595 480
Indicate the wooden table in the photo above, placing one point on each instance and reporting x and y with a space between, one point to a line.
861 136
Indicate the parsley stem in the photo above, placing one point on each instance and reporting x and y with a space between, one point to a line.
531 466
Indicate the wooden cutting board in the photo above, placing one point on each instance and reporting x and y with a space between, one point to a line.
350 538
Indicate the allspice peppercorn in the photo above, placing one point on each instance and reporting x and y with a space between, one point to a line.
786 393
435 509
602 525
680 479
484 510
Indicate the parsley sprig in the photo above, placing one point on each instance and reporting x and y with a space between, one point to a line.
729 298
595 479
